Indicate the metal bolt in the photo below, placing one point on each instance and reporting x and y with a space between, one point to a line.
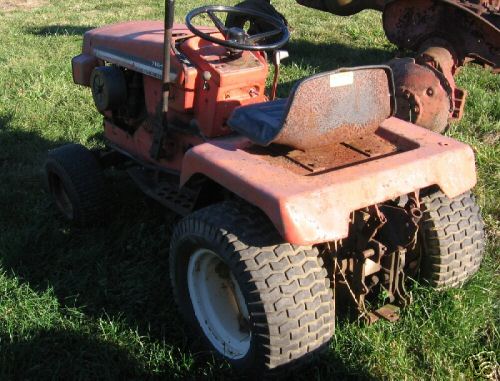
253 92
207 76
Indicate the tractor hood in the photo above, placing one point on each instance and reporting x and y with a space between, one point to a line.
141 40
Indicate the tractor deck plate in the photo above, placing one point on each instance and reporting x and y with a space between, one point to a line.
332 156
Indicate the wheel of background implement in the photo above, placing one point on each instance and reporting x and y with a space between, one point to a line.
256 302
76 182
264 6
452 233
109 87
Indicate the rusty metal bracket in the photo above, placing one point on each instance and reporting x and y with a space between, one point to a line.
372 223
356 291
374 259
396 291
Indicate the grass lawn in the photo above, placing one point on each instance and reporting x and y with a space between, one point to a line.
95 303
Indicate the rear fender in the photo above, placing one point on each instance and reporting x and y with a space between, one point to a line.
309 210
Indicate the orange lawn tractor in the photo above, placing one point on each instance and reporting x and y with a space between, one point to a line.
292 209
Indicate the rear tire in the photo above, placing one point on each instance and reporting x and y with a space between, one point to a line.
76 183
284 295
452 236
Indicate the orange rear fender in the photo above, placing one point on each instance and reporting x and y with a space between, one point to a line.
311 209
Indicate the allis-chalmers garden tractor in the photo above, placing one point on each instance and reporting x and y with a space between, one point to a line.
293 208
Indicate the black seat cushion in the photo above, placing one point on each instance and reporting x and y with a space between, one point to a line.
260 122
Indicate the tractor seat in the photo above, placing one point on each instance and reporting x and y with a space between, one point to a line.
325 108
260 122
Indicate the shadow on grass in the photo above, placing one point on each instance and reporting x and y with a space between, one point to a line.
117 272
66 355
5 121
19 147
59 30
329 56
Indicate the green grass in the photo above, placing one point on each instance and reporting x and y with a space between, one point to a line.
95 303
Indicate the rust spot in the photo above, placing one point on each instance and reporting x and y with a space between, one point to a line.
330 157
469 27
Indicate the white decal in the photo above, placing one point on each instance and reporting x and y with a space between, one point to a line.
342 79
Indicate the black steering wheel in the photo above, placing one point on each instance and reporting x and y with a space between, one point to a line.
237 38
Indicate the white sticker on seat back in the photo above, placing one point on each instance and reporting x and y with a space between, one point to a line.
342 79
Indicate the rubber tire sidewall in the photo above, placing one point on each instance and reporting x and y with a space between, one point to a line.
182 252
437 246
82 177
52 166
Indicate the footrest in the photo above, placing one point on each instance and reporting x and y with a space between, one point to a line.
165 191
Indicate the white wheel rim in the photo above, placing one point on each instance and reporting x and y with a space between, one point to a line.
218 304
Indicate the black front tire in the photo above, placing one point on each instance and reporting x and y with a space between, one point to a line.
285 287
75 181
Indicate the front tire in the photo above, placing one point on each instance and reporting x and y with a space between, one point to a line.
75 181
257 302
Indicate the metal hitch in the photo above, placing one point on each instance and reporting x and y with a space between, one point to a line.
368 269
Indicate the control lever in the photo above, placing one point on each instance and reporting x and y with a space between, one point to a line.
278 56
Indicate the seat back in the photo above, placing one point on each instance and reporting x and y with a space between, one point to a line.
336 106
